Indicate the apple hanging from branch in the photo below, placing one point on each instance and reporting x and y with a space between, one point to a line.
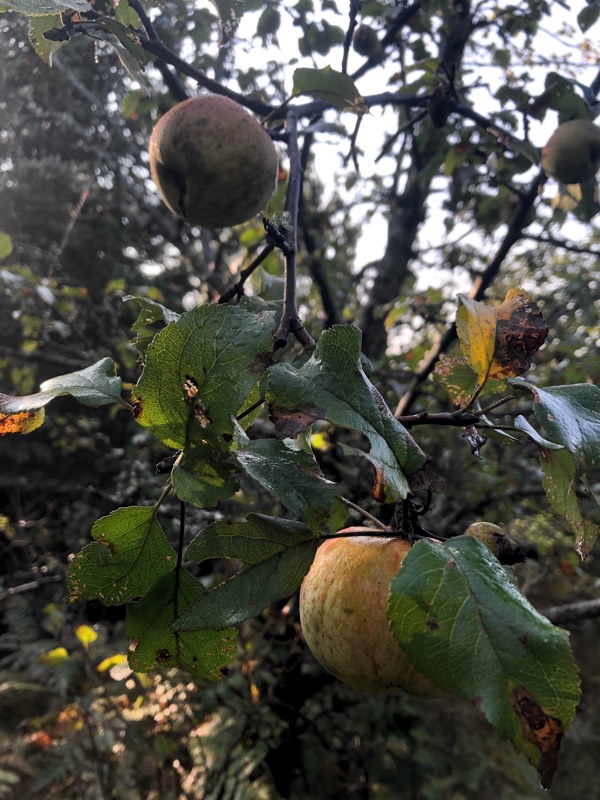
343 603
213 163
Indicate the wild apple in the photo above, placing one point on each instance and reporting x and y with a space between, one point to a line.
213 163
343 602
572 154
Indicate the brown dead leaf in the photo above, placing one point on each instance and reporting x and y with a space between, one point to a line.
520 332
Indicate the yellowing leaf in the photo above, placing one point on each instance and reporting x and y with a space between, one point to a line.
476 328
499 342
54 657
111 661
25 422
86 635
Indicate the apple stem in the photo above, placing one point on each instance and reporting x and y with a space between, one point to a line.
290 318
365 514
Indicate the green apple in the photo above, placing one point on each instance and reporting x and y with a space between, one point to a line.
343 603
213 163
572 154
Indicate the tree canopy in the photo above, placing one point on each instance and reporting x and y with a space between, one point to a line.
405 338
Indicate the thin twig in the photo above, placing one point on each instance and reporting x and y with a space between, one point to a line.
237 290
573 612
355 7
365 514
478 290
290 319
458 419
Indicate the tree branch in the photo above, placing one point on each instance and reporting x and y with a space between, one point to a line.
290 319
478 290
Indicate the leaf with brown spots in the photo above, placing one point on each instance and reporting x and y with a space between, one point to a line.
499 342
542 730
94 386
25 422
487 644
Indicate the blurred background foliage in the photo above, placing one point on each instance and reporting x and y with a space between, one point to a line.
83 227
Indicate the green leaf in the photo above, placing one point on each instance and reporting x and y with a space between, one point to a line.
45 48
199 371
204 654
43 8
129 51
456 612
522 424
130 553
570 415
332 385
93 386
587 17
6 245
559 485
150 312
251 591
294 477
253 541
564 96
201 477
332 87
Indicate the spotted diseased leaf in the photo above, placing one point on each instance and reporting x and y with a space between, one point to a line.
204 654
331 86
24 422
457 613
94 386
199 371
130 553
457 378
499 342
520 332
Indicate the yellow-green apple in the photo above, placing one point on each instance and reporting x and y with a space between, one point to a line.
213 163
572 154
343 602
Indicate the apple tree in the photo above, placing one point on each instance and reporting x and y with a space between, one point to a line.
293 387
